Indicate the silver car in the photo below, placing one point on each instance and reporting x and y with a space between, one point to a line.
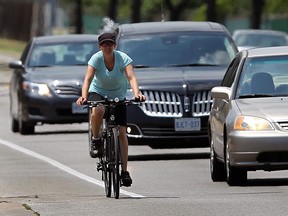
252 38
248 122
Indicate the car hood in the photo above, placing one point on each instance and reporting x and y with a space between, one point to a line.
53 75
174 78
272 108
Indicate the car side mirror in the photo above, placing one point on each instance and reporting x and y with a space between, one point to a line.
221 92
16 65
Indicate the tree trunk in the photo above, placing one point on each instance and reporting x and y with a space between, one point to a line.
79 14
257 9
112 10
211 10
175 11
136 8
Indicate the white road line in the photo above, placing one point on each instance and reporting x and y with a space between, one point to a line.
62 166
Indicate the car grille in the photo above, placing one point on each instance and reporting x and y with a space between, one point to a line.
67 90
284 125
168 104
202 102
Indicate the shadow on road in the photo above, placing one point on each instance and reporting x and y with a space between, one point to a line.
170 156
60 132
267 182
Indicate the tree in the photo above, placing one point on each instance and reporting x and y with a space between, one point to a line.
79 15
211 10
113 8
136 11
257 9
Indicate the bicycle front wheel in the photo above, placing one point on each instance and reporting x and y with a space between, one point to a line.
117 162
106 169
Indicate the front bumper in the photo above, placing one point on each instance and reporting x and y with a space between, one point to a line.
160 131
259 150
51 110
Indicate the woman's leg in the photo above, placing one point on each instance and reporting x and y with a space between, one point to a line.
123 146
97 119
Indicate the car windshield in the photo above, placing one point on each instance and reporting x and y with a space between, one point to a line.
260 40
62 54
177 49
264 77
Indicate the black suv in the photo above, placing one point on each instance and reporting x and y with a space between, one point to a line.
176 64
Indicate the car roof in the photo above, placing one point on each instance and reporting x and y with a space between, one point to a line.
156 27
65 38
267 51
258 31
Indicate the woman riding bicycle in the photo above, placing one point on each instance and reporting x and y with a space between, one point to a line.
106 76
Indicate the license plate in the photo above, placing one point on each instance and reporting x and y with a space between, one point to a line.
187 124
78 109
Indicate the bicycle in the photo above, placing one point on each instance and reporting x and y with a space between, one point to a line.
110 155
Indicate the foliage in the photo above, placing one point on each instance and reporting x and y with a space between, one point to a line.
11 46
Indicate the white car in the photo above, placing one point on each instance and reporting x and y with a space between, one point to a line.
248 121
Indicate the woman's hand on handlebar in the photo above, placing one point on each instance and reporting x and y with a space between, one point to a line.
80 101
140 98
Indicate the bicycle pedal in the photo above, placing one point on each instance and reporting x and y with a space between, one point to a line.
99 167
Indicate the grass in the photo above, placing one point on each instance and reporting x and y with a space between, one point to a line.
11 47
27 207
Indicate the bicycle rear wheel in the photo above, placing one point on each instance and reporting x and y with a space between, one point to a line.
117 162
106 169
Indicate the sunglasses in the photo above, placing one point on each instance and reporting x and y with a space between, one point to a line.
105 44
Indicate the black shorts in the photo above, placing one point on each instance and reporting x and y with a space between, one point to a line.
120 111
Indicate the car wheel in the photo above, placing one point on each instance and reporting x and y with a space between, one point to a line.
14 125
217 169
14 122
25 128
234 176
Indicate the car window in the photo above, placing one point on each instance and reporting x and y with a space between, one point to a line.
260 40
264 75
62 54
177 48
229 77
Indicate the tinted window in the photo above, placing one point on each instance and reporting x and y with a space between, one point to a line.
229 77
178 48
62 54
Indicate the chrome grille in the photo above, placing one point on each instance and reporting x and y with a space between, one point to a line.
284 125
201 104
67 90
162 104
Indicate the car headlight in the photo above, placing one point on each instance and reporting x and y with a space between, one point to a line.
36 88
250 123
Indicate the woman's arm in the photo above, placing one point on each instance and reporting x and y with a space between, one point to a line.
87 81
133 82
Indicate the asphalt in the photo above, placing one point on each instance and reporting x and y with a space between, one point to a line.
10 206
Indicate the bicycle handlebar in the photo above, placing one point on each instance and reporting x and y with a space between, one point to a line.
115 101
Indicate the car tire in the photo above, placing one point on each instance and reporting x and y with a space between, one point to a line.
14 125
234 176
217 169
25 128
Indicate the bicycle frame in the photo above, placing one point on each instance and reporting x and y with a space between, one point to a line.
110 159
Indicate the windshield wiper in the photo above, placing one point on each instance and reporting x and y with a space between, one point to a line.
141 66
255 95
42 66
191 65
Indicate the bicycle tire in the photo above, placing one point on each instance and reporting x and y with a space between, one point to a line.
116 166
91 152
106 169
